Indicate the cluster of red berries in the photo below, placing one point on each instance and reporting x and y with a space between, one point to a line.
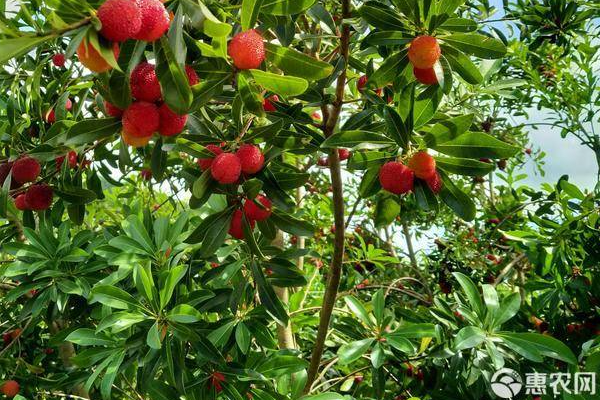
144 20
257 209
343 154
38 196
148 114
423 53
226 168
397 178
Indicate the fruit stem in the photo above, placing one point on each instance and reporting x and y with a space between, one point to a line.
330 120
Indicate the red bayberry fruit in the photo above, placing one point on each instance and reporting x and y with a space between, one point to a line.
141 119
344 154
49 350
171 123
502 165
491 257
323 162
396 178
121 19
134 141
494 221
112 110
20 202
247 49
155 20
424 52
146 174
10 388
205 163
192 76
422 164
251 158
26 169
358 379
59 60
39 197
226 168
268 105
425 76
435 183
72 159
144 83
236 228
361 84
528 152
255 212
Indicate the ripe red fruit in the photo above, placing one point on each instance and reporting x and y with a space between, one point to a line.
26 169
344 154
502 164
205 163
396 177
192 76
256 212
236 228
226 168
323 162
171 123
121 19
141 119
72 159
424 52
490 257
422 164
10 388
251 158
528 152
247 49
494 221
20 202
268 105
59 60
146 174
361 84
317 116
155 20
435 183
426 76
49 350
112 110
358 379
50 116
144 83
39 197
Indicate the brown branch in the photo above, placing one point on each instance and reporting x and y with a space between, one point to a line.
330 120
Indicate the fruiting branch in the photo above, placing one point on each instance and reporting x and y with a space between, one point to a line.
330 120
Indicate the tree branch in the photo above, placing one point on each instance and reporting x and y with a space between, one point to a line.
330 120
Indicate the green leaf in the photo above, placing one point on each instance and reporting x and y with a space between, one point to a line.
534 345
464 166
456 199
478 45
382 17
168 287
158 161
267 296
114 297
358 310
396 127
291 224
509 308
76 195
91 130
400 343
280 84
185 314
448 129
174 85
370 185
88 337
292 62
211 232
390 69
350 352
459 25
249 13
12 48
426 105
285 7
324 396
415 331
462 65
469 337
471 292
386 210
120 321
153 336
280 365
250 94
354 138
476 145
158 390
